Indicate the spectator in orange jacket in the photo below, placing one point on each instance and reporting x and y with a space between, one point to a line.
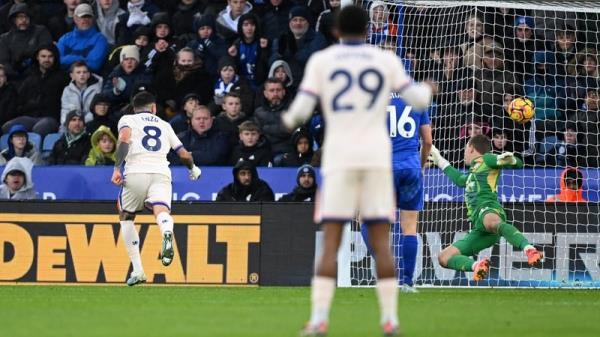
571 187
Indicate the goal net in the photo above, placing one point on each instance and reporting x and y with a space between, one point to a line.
482 55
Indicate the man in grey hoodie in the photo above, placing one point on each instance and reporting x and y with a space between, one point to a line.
16 180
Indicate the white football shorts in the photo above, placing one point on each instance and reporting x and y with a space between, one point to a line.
145 189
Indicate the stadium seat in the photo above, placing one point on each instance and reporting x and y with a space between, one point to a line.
35 139
3 142
48 144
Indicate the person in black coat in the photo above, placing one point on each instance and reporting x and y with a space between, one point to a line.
302 152
246 185
306 186
207 145
252 147
8 98
74 145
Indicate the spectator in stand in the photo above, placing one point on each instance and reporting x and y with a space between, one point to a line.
566 47
250 51
17 183
521 48
588 123
186 75
79 93
73 147
475 44
325 21
494 82
59 25
34 13
230 81
18 45
104 146
500 141
298 43
20 146
306 186
138 15
38 106
246 186
583 73
181 122
108 14
268 118
183 18
8 97
252 146
84 42
231 117
572 182
547 94
380 26
207 45
281 71
119 85
276 18
568 152
103 115
302 151
450 76
209 147
227 21
160 52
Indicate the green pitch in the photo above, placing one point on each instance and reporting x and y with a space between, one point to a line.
82 311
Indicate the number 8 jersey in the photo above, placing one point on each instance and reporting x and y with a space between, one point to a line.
353 83
151 140
405 125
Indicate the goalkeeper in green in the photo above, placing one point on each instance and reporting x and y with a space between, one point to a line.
488 220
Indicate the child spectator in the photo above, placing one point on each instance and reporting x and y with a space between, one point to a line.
207 45
79 93
281 71
302 149
571 187
250 51
231 117
104 145
252 146
20 146
230 81
180 122
306 186
568 152
103 115
17 183
8 98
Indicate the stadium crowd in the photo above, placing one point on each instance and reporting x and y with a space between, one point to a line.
224 71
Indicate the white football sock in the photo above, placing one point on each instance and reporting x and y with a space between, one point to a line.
387 293
165 222
322 292
132 244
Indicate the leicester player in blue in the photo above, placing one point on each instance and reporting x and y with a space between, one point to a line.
407 127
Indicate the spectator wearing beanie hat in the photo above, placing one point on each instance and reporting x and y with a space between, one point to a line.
103 115
207 45
306 186
84 43
521 47
276 18
73 146
121 81
297 44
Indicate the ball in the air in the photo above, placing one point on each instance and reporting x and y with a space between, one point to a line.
521 110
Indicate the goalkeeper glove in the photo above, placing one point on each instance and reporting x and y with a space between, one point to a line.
436 158
195 172
506 158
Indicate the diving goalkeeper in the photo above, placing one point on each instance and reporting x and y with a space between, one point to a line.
488 220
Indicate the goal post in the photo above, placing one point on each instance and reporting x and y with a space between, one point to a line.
482 55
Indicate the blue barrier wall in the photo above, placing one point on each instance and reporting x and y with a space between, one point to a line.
93 183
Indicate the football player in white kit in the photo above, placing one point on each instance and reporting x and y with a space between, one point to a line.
144 142
353 81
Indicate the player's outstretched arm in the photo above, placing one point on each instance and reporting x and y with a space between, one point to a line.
455 175
503 160
120 154
188 161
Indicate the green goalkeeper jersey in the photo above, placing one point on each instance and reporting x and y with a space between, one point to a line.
481 182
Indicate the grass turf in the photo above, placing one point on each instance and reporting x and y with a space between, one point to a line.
196 311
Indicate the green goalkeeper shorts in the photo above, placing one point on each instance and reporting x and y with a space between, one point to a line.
478 237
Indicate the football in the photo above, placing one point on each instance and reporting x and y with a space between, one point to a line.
521 110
